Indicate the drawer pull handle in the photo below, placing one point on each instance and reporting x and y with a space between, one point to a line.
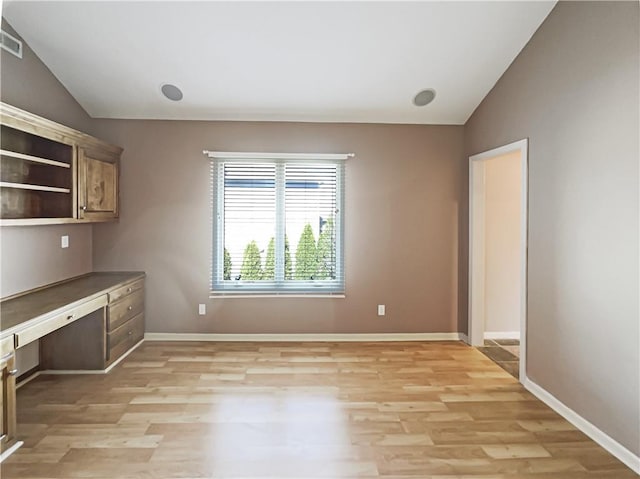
130 308
13 372
128 290
71 316
130 333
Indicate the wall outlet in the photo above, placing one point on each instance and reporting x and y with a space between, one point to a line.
202 309
64 241
381 310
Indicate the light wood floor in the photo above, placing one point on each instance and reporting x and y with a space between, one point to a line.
293 410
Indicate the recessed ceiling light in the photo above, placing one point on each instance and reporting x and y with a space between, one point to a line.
172 92
424 97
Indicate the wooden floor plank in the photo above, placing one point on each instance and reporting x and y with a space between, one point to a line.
437 410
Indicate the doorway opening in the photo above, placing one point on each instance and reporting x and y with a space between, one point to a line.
498 221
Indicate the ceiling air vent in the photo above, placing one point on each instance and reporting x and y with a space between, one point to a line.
10 44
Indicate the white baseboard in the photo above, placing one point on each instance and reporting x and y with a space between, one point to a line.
62 372
303 337
27 380
11 450
502 335
122 358
66 372
602 438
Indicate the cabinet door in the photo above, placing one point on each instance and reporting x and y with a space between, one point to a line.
97 185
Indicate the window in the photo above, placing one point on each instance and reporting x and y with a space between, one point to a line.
277 223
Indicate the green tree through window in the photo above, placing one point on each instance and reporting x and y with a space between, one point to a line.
326 252
306 255
227 265
270 261
251 263
287 259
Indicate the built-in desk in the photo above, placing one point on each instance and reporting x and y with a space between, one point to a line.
84 324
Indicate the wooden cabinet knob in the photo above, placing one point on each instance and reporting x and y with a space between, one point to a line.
128 290
83 208
130 308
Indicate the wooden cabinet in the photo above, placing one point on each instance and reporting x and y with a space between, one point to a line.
97 184
54 174
125 319
7 395
121 311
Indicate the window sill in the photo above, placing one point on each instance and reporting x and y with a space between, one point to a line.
227 295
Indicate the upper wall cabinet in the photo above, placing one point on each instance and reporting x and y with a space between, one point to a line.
50 173
97 184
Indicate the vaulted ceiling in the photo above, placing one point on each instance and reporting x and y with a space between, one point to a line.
278 61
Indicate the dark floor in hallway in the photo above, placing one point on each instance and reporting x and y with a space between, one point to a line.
505 353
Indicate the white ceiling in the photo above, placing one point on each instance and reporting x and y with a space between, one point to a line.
290 61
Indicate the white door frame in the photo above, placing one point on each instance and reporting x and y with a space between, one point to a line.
477 166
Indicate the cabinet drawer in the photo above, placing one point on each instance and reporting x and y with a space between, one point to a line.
43 328
125 309
120 340
122 291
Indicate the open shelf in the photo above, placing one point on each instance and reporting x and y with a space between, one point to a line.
24 186
20 203
34 146
15 172
36 176
34 159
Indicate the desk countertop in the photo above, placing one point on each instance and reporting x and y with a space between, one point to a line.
16 311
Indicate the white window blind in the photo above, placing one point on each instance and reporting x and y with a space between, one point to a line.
278 224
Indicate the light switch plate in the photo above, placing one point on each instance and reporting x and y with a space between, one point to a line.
202 309
381 310
64 241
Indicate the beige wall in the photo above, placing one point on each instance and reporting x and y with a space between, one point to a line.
503 187
402 191
28 84
573 91
32 256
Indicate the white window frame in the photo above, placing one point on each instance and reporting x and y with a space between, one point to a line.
279 286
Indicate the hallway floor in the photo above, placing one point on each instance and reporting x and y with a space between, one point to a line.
505 353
